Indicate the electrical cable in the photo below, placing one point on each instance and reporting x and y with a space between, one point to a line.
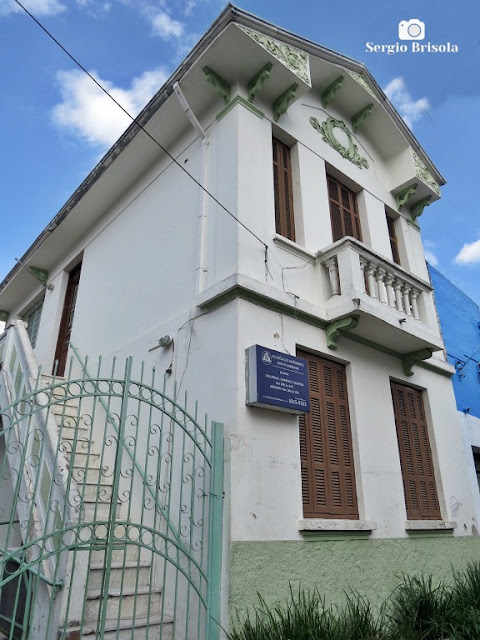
135 121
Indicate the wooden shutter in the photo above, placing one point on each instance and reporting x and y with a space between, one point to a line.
32 318
343 211
63 341
419 485
282 183
328 476
393 239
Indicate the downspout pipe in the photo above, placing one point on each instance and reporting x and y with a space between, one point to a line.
201 268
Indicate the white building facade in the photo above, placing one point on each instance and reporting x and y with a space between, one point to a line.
309 247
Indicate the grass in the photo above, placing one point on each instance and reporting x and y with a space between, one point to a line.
418 609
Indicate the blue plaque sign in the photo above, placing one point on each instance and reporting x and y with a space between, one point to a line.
276 380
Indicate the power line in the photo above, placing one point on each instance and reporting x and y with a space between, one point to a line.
134 120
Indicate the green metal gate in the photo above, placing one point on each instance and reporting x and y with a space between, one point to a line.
111 504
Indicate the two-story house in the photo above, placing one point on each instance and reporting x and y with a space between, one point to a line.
269 195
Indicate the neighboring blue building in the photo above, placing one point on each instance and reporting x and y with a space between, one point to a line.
460 322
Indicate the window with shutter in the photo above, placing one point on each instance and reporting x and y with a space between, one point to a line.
343 211
416 461
393 239
476 461
328 475
283 190
32 319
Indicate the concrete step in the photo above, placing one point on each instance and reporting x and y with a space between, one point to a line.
102 510
128 554
91 492
124 603
152 628
127 575
82 459
91 475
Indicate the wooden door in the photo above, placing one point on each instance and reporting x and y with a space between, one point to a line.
61 352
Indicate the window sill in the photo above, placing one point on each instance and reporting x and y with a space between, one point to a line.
295 248
336 524
429 525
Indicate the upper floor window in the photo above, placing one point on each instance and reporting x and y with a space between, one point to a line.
32 319
343 211
393 239
283 189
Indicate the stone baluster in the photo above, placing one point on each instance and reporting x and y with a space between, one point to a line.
413 297
390 292
406 298
332 267
372 286
397 285
382 291
363 264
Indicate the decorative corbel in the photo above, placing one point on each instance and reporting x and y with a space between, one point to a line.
330 91
404 196
412 358
4 315
338 327
416 209
220 85
39 274
256 83
283 101
359 118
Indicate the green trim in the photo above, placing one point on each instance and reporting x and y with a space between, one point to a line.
220 85
295 60
239 100
336 328
326 129
404 196
329 92
362 82
410 359
256 83
335 536
413 224
39 274
280 307
416 209
359 118
424 174
283 101
4 315
263 301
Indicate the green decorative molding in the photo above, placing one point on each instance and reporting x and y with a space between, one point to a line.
359 118
329 93
362 82
256 83
282 103
416 209
4 315
424 174
337 327
404 196
239 100
410 359
220 85
294 59
39 274
327 127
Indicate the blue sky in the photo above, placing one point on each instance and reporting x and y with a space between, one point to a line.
57 126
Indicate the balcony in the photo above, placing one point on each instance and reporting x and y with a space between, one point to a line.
395 308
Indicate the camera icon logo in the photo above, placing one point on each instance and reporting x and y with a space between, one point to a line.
411 29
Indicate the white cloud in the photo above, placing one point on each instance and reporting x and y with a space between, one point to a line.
37 7
431 258
87 112
469 253
411 110
165 26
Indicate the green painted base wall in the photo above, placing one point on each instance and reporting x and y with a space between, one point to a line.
372 567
